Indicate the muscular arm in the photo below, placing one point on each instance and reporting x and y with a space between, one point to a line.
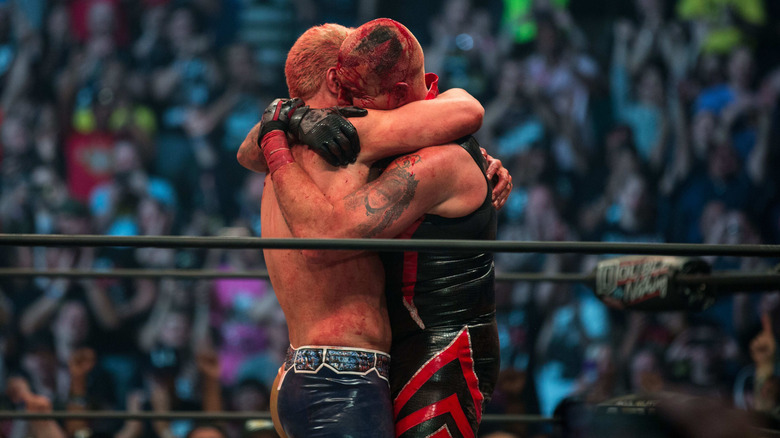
249 154
452 115
441 179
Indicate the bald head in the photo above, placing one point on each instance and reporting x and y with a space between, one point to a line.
309 59
376 57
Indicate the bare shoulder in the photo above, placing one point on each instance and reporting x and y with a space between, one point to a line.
442 157
445 162
445 176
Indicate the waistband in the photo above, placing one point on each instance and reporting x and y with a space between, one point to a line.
341 360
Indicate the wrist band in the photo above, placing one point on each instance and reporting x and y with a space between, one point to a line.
276 150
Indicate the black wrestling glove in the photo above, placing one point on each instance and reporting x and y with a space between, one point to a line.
328 132
277 115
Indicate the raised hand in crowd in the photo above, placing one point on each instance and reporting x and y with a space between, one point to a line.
19 392
80 363
208 363
764 347
38 314
207 360
160 398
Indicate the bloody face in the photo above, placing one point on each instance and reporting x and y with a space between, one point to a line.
373 59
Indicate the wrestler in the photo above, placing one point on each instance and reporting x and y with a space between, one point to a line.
334 382
442 306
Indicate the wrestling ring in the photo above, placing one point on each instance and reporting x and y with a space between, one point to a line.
720 283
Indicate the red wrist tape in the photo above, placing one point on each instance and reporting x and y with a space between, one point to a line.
276 150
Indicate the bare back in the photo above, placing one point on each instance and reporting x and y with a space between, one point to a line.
336 304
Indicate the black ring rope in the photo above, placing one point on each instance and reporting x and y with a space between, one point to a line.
195 274
214 416
205 274
729 279
396 245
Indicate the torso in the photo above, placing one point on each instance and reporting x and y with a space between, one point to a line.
338 304
447 288
442 308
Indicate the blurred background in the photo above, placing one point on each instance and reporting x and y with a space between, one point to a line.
620 121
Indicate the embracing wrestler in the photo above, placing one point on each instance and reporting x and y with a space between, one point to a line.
441 306
341 391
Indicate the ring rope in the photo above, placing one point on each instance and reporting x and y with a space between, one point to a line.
750 280
396 245
122 415
195 274
215 416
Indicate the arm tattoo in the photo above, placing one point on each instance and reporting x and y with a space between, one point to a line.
386 198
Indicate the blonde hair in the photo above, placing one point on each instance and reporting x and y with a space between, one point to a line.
309 59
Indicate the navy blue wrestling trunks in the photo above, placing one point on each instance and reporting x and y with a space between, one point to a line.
335 392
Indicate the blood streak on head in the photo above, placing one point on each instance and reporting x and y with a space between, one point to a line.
377 55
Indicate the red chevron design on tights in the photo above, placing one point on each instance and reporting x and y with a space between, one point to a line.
459 349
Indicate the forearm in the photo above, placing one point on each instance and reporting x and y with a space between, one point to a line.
498 108
619 88
151 328
18 78
142 300
160 400
452 115
200 322
105 312
641 50
217 112
658 153
618 77
38 315
77 392
212 395
763 403
249 155
759 156
77 403
164 81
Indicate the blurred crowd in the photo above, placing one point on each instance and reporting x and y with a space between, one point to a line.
641 121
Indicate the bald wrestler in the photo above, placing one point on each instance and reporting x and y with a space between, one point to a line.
441 306
334 381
